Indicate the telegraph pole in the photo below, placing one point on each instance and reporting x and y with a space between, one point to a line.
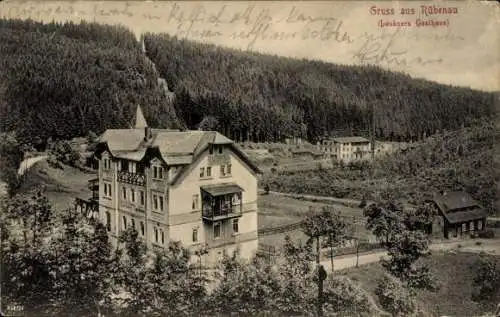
373 132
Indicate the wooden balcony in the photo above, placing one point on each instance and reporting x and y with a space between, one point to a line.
131 178
216 214
94 187
221 201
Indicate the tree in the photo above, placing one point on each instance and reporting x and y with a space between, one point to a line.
209 123
247 289
12 156
320 225
385 220
405 252
82 265
486 282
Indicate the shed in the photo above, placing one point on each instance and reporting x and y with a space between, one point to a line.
460 212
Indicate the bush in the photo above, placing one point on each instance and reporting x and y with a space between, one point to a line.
65 154
486 234
394 297
345 296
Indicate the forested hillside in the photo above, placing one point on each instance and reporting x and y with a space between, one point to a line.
455 160
260 97
63 80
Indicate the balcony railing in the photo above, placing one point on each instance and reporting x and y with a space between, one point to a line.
131 178
215 214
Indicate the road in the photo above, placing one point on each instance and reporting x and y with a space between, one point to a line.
29 162
490 246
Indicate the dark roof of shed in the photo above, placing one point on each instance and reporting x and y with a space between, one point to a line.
459 207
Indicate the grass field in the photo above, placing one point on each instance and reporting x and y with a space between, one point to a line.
453 274
275 210
61 187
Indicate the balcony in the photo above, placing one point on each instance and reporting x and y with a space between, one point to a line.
131 178
213 214
221 201
94 187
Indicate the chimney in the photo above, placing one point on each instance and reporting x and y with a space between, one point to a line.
147 133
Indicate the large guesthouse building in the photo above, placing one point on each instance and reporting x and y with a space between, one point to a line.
195 187
346 149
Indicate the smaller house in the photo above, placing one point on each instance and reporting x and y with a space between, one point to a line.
460 213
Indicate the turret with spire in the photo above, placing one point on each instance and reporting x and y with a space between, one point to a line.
140 123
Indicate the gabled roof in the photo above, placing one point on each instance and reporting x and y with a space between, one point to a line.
174 147
351 139
459 207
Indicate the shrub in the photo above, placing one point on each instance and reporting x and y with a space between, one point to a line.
486 234
394 297
345 296
65 154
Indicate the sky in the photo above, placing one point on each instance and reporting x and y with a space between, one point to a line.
450 42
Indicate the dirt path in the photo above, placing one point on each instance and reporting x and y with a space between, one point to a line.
490 246
29 162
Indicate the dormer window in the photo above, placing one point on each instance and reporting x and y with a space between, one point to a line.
106 162
158 172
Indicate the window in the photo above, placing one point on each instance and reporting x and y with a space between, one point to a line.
220 149
209 171
132 195
162 235
124 222
142 228
217 229
202 172
235 225
195 235
157 172
156 234
158 203
107 163
211 150
133 223
225 170
124 193
108 221
107 190
195 202
132 167
142 199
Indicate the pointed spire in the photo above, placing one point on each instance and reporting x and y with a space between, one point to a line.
140 122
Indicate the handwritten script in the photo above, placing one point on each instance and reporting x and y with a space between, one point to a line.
247 26
383 49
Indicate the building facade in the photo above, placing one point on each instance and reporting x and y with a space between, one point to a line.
346 149
195 187
457 214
